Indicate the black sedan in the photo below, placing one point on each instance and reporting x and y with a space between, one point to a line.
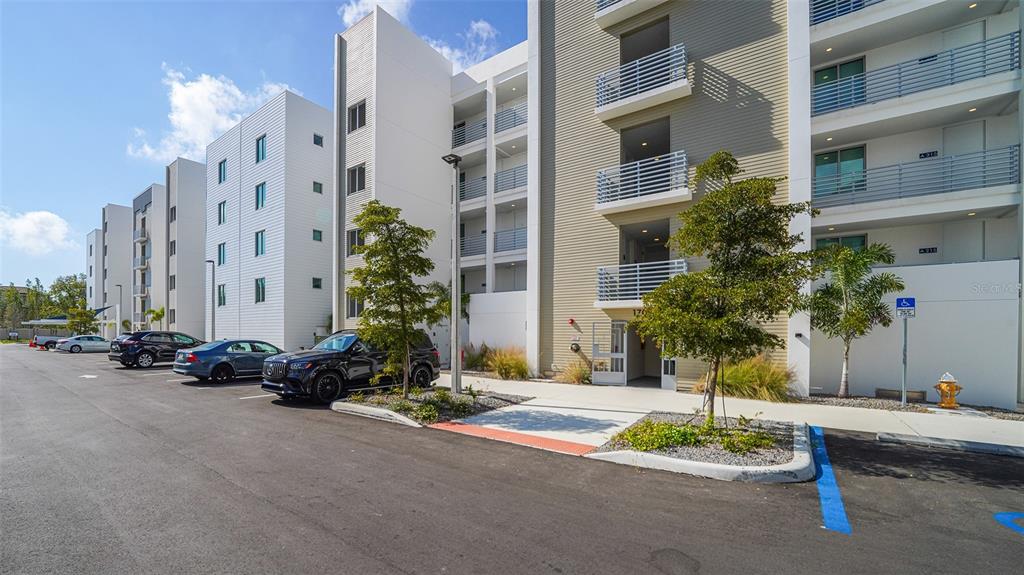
221 361
145 348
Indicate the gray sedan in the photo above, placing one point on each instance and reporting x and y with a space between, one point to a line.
223 360
80 343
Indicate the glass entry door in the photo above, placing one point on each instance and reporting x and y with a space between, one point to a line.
608 356
839 171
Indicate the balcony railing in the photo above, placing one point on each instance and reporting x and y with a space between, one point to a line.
140 290
473 188
474 245
824 10
932 176
139 235
510 118
510 179
140 262
469 132
630 282
602 4
652 71
508 240
642 178
946 68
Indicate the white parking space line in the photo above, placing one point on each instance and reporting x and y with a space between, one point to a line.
182 381
260 395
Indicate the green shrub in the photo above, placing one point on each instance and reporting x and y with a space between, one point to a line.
576 372
426 413
743 442
403 407
461 408
476 359
509 363
650 435
356 397
755 378
442 396
415 391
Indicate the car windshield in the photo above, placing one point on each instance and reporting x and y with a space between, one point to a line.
338 342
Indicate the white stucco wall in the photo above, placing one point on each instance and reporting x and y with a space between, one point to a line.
498 319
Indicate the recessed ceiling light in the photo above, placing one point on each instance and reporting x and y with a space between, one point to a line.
657 239
831 229
973 110
513 88
828 49
828 139
643 231
973 5
513 205
513 146
511 265
643 143
972 213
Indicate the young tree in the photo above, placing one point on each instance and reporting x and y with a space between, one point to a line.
850 304
67 293
156 316
126 325
753 273
82 321
392 261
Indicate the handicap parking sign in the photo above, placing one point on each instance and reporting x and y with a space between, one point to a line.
906 307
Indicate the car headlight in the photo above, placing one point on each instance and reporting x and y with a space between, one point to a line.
301 366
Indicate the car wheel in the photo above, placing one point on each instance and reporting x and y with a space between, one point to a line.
326 387
76 349
421 377
222 374
50 346
144 360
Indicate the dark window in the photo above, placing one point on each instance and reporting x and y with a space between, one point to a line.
170 314
355 238
171 282
222 212
357 116
354 308
318 140
261 148
222 295
174 213
222 171
855 242
172 248
318 188
318 283
261 290
318 236
222 254
356 179
261 195
261 242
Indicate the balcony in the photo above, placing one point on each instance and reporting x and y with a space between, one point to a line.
825 10
471 189
469 132
609 12
510 240
140 263
946 68
975 170
649 81
140 291
646 183
510 118
624 286
475 245
140 235
510 179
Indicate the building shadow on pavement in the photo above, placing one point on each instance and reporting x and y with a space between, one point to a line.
542 420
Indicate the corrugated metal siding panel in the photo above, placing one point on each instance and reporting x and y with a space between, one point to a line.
738 67
224 148
191 294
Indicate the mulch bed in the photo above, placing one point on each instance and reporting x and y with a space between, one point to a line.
457 407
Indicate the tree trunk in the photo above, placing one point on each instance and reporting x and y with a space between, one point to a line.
405 373
844 380
712 386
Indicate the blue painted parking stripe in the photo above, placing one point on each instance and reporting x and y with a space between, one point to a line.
832 510
1010 520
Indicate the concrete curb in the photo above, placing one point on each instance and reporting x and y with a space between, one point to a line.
954 444
801 468
372 413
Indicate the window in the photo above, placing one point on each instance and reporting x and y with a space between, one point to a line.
318 236
90 271
261 290
261 195
855 242
90 248
222 254
839 171
318 140
172 282
174 213
261 243
222 212
356 179
261 148
172 248
222 295
355 238
354 308
222 171
170 315
318 188
104 273
90 292
318 283
260 347
357 116
839 86
182 338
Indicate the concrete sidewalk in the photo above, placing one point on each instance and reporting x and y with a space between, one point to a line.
591 414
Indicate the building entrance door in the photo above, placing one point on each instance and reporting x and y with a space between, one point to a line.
608 356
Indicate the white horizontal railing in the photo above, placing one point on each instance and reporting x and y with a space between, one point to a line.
474 245
469 132
140 290
942 69
473 188
510 117
647 73
140 262
602 4
642 178
510 179
139 234
932 176
824 10
508 240
632 281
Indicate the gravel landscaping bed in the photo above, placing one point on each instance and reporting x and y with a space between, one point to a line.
436 405
865 402
998 413
780 452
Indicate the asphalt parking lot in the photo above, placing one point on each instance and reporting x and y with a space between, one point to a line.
110 470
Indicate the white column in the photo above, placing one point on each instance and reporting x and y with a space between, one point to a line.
533 235
492 163
1020 240
337 194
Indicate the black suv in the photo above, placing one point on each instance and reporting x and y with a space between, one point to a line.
144 348
342 363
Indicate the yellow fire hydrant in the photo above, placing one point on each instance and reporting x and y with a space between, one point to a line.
948 390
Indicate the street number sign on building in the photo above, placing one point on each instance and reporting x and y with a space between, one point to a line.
906 307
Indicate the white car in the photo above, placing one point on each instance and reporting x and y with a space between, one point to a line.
80 343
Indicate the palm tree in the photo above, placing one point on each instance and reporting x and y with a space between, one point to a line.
126 325
156 315
850 304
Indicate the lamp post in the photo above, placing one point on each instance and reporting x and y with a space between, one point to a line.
455 289
117 310
213 300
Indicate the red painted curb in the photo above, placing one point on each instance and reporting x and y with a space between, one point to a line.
556 445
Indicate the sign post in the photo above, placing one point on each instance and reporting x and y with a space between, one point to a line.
906 308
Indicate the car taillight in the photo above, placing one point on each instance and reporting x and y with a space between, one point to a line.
129 342
437 354
191 358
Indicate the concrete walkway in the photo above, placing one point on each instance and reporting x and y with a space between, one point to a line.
590 414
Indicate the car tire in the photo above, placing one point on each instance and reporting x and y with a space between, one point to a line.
326 387
144 360
421 377
76 349
222 374
50 346
200 377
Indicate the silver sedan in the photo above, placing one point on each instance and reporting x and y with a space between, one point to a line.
80 343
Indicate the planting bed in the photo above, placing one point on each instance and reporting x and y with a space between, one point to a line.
435 405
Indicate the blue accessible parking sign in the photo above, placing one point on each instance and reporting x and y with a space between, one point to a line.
906 303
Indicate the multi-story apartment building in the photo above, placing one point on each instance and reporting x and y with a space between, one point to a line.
149 255
915 133
94 269
268 225
115 275
186 297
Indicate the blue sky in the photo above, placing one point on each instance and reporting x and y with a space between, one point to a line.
95 98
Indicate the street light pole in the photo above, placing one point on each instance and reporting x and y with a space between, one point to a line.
455 289
213 300
117 310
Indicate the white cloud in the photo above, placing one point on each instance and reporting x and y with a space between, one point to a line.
479 42
35 233
353 11
202 108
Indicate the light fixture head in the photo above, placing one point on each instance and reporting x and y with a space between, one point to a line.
973 110
828 49
643 144
657 239
829 139
831 229
452 159
643 231
513 88
972 213
513 146
973 5
513 205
